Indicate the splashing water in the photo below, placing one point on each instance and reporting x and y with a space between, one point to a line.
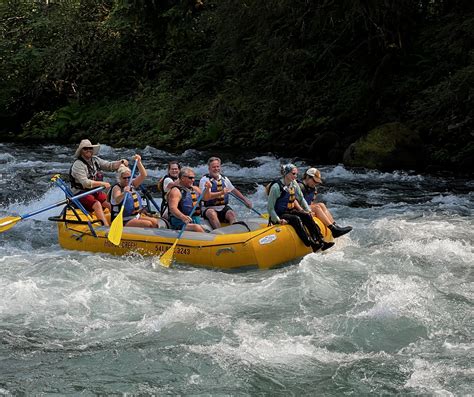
388 310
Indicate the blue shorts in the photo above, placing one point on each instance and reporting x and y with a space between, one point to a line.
177 223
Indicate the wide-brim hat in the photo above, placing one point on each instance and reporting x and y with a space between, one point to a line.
315 174
86 143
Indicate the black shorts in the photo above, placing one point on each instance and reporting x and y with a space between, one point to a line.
220 214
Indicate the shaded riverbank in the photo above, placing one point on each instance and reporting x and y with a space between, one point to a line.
218 74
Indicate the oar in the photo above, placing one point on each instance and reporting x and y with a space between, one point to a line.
167 258
149 197
116 228
265 216
10 221
68 192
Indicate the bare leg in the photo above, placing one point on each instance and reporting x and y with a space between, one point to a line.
320 210
139 223
107 205
230 217
326 211
323 213
211 216
153 221
99 212
194 227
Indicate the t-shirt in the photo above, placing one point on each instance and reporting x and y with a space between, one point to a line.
166 182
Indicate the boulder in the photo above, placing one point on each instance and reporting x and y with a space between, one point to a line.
388 147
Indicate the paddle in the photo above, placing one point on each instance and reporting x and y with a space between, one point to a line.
68 192
149 197
167 258
10 221
116 228
265 216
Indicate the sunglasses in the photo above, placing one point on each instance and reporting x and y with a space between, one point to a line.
189 177
88 149
126 177
294 173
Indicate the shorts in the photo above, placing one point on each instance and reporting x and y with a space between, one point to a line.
177 223
220 214
89 200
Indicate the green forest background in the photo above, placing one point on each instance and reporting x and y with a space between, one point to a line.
382 84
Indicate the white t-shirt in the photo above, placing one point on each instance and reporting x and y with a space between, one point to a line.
228 185
166 183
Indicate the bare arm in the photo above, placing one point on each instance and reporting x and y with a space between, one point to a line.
207 193
300 201
143 174
110 165
117 194
237 193
79 172
174 196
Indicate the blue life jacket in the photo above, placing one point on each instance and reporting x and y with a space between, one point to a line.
132 206
188 201
308 192
287 198
217 186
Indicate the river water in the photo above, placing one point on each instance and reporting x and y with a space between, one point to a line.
388 310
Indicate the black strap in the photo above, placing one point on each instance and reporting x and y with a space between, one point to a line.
244 224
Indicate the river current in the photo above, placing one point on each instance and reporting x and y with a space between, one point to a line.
387 310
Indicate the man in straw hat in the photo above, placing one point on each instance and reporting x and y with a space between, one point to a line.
309 185
85 175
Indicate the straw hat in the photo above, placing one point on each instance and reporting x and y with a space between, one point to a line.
315 174
86 143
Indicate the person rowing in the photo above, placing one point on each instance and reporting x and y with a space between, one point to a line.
133 214
182 199
85 174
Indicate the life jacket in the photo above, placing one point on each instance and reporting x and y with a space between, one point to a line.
132 206
287 198
93 173
308 192
164 201
188 200
217 186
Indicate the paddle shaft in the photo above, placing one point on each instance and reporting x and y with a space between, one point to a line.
68 192
61 202
116 228
167 258
243 202
149 197
129 184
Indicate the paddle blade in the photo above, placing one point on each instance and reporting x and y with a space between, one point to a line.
167 258
8 222
116 229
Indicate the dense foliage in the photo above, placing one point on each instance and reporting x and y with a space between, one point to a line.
300 77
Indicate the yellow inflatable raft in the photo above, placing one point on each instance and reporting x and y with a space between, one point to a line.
250 244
